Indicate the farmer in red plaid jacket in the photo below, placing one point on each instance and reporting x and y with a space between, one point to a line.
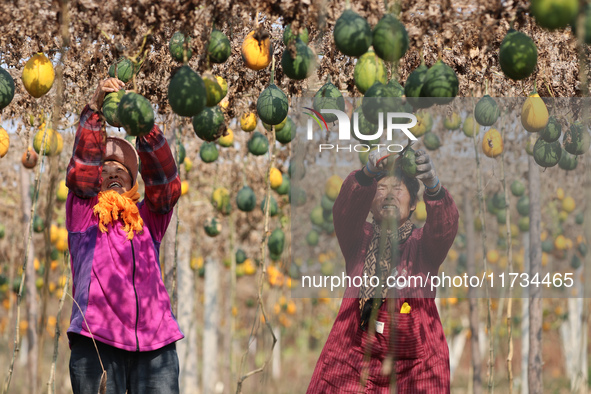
114 239
417 345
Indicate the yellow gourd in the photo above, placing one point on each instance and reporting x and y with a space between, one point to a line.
276 178
492 143
38 75
248 122
257 50
421 211
534 114
4 142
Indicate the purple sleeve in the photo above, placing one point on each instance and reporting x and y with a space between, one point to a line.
79 213
156 223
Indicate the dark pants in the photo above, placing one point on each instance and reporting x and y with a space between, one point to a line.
156 371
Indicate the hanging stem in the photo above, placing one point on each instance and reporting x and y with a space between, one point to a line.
263 273
481 205
509 265
51 380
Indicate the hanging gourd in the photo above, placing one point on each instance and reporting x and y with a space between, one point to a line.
257 50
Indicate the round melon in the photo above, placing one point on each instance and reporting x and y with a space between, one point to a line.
431 141
567 161
329 97
135 113
352 34
413 86
518 55
523 206
6 88
297 196
326 203
278 127
182 153
288 35
453 121
258 144
396 88
302 65
208 152
110 105
547 154
219 48
552 131
369 70
273 209
125 69
216 89
379 99
499 201
296 169
38 224
470 127
287 132
408 164
209 124
212 227
517 188
186 92
276 241
390 39
554 14
246 199
441 84
577 139
272 105
285 186
487 111
240 256
176 46
312 238
51 141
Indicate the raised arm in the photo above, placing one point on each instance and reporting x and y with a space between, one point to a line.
351 208
441 226
159 172
84 170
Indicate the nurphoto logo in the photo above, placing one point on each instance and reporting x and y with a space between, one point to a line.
344 124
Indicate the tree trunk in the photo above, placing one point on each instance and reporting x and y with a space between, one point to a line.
211 319
187 348
535 300
472 297
30 289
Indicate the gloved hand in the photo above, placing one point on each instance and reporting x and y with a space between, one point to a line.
373 168
426 170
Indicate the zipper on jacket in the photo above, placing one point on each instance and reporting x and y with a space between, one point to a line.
137 302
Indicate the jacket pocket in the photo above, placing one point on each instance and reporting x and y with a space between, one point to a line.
406 343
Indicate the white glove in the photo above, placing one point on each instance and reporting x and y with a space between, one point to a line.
374 166
425 169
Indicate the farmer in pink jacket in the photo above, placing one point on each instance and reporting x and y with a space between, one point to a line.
114 241
418 346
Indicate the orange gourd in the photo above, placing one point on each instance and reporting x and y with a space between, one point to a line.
492 143
257 50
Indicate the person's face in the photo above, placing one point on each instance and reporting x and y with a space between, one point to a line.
115 177
392 200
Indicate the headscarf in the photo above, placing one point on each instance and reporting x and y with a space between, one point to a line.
366 293
113 206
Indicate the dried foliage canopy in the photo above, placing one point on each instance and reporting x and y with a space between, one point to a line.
466 34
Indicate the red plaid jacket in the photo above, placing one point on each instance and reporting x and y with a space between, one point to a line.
158 169
420 348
